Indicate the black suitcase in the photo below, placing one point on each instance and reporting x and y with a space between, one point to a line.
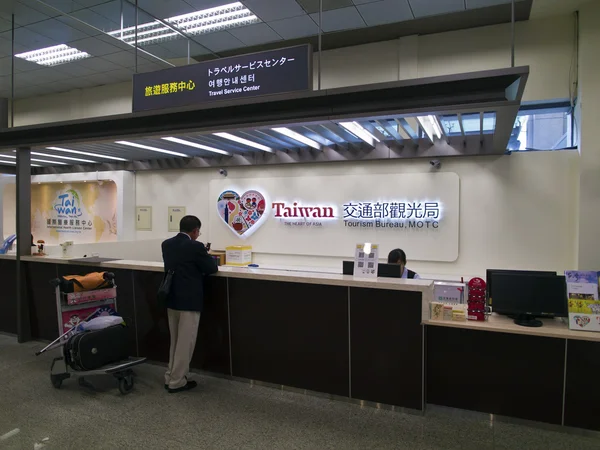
92 350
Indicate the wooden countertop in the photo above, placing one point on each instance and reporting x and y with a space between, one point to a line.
287 276
553 328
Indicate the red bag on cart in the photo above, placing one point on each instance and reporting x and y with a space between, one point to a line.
89 282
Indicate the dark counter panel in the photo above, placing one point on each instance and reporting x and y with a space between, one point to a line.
8 298
212 347
386 347
498 373
291 334
582 398
42 300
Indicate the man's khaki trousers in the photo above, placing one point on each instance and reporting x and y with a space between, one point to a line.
183 326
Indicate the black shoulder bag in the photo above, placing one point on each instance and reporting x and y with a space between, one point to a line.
165 289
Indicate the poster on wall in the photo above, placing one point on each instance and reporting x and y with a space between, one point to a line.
327 216
82 212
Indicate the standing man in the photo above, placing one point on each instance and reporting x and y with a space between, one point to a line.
190 262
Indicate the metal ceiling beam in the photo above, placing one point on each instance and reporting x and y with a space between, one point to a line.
454 94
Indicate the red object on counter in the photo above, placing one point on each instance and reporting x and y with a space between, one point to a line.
476 301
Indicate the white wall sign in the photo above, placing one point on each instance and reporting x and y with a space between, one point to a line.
312 215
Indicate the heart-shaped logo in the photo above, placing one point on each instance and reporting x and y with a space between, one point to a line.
241 213
582 321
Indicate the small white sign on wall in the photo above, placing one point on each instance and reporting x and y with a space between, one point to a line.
176 213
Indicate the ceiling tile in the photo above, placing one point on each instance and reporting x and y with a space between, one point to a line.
98 64
122 58
362 2
56 30
340 19
205 4
89 3
385 11
81 83
5 25
295 27
66 6
112 11
164 9
94 47
256 34
264 9
424 8
177 45
220 41
32 41
312 6
24 15
85 28
473 4
75 70
96 20
5 68
160 51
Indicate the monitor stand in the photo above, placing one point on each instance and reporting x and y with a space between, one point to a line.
526 320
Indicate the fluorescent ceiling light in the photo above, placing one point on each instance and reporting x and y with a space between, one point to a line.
152 149
196 145
356 129
64 157
53 56
199 22
241 140
49 162
77 152
298 137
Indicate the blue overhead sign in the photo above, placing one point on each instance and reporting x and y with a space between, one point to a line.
264 73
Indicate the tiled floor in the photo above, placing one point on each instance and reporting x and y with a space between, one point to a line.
224 414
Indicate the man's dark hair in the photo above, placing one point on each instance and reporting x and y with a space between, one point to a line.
189 224
397 256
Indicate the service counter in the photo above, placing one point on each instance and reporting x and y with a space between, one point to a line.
327 333
362 339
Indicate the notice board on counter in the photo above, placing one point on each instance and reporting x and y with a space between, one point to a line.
270 72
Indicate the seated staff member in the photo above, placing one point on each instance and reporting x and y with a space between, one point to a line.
398 256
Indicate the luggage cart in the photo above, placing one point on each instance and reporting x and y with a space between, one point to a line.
92 304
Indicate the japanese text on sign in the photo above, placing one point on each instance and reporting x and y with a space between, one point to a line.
169 88
392 210
253 65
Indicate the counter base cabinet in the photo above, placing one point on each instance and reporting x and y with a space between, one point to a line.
212 348
290 334
42 300
582 398
387 347
498 373
8 298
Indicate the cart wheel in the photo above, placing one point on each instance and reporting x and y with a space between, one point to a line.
56 381
126 385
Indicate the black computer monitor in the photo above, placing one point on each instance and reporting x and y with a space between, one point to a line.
383 270
528 296
488 279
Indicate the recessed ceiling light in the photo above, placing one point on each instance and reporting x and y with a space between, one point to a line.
356 129
240 140
64 157
77 152
196 145
152 149
53 56
199 22
298 137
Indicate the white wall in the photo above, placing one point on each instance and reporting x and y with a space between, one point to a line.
517 211
589 201
546 45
